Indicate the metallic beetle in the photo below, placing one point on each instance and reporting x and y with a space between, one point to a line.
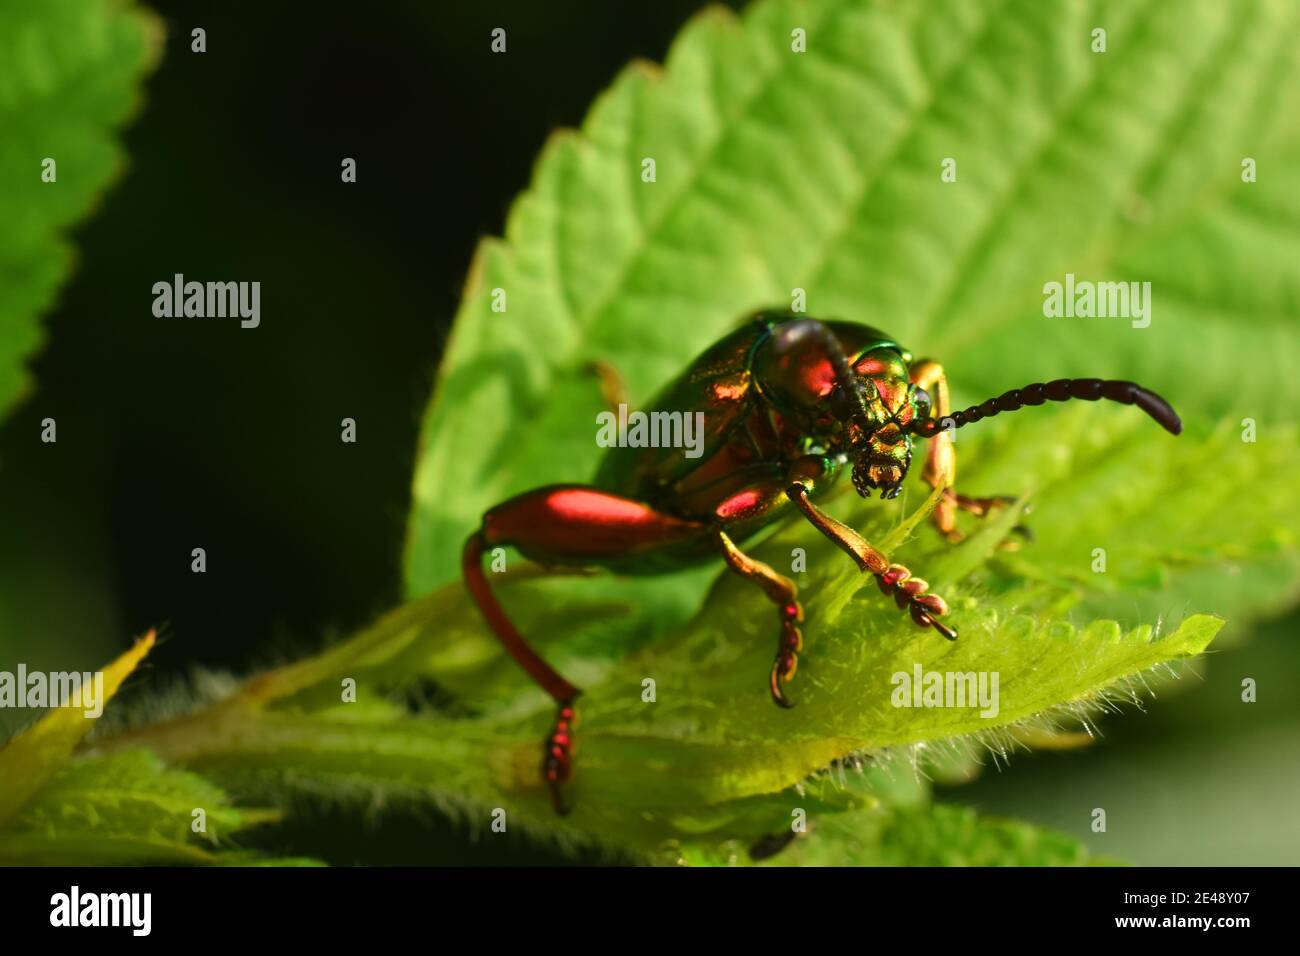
789 403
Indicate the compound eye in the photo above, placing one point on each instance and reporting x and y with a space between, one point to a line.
922 402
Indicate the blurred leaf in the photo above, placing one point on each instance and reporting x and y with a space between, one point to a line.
820 170
930 836
72 70
31 758
1204 522
124 809
1208 762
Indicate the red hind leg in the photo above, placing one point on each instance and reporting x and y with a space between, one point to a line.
562 524
557 763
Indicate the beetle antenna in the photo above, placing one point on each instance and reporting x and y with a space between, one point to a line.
1061 390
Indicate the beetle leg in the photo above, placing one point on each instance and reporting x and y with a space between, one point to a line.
894 579
563 525
941 458
979 507
613 390
780 591
557 764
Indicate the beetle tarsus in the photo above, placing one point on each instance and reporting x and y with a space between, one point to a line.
909 594
787 654
557 762
980 507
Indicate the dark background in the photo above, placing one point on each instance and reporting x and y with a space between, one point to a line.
183 433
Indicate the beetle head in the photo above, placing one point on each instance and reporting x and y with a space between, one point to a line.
877 421
862 409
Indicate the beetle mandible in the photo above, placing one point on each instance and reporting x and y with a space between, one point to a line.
789 403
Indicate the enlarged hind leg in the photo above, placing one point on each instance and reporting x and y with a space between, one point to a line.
562 525
557 762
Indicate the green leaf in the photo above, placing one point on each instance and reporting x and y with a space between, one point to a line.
778 170
121 809
930 836
31 758
820 170
711 761
125 809
72 71
1203 522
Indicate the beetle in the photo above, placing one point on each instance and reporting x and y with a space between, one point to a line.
789 403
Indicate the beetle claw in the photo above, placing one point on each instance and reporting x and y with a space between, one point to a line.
775 682
562 806
787 654
783 668
944 629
